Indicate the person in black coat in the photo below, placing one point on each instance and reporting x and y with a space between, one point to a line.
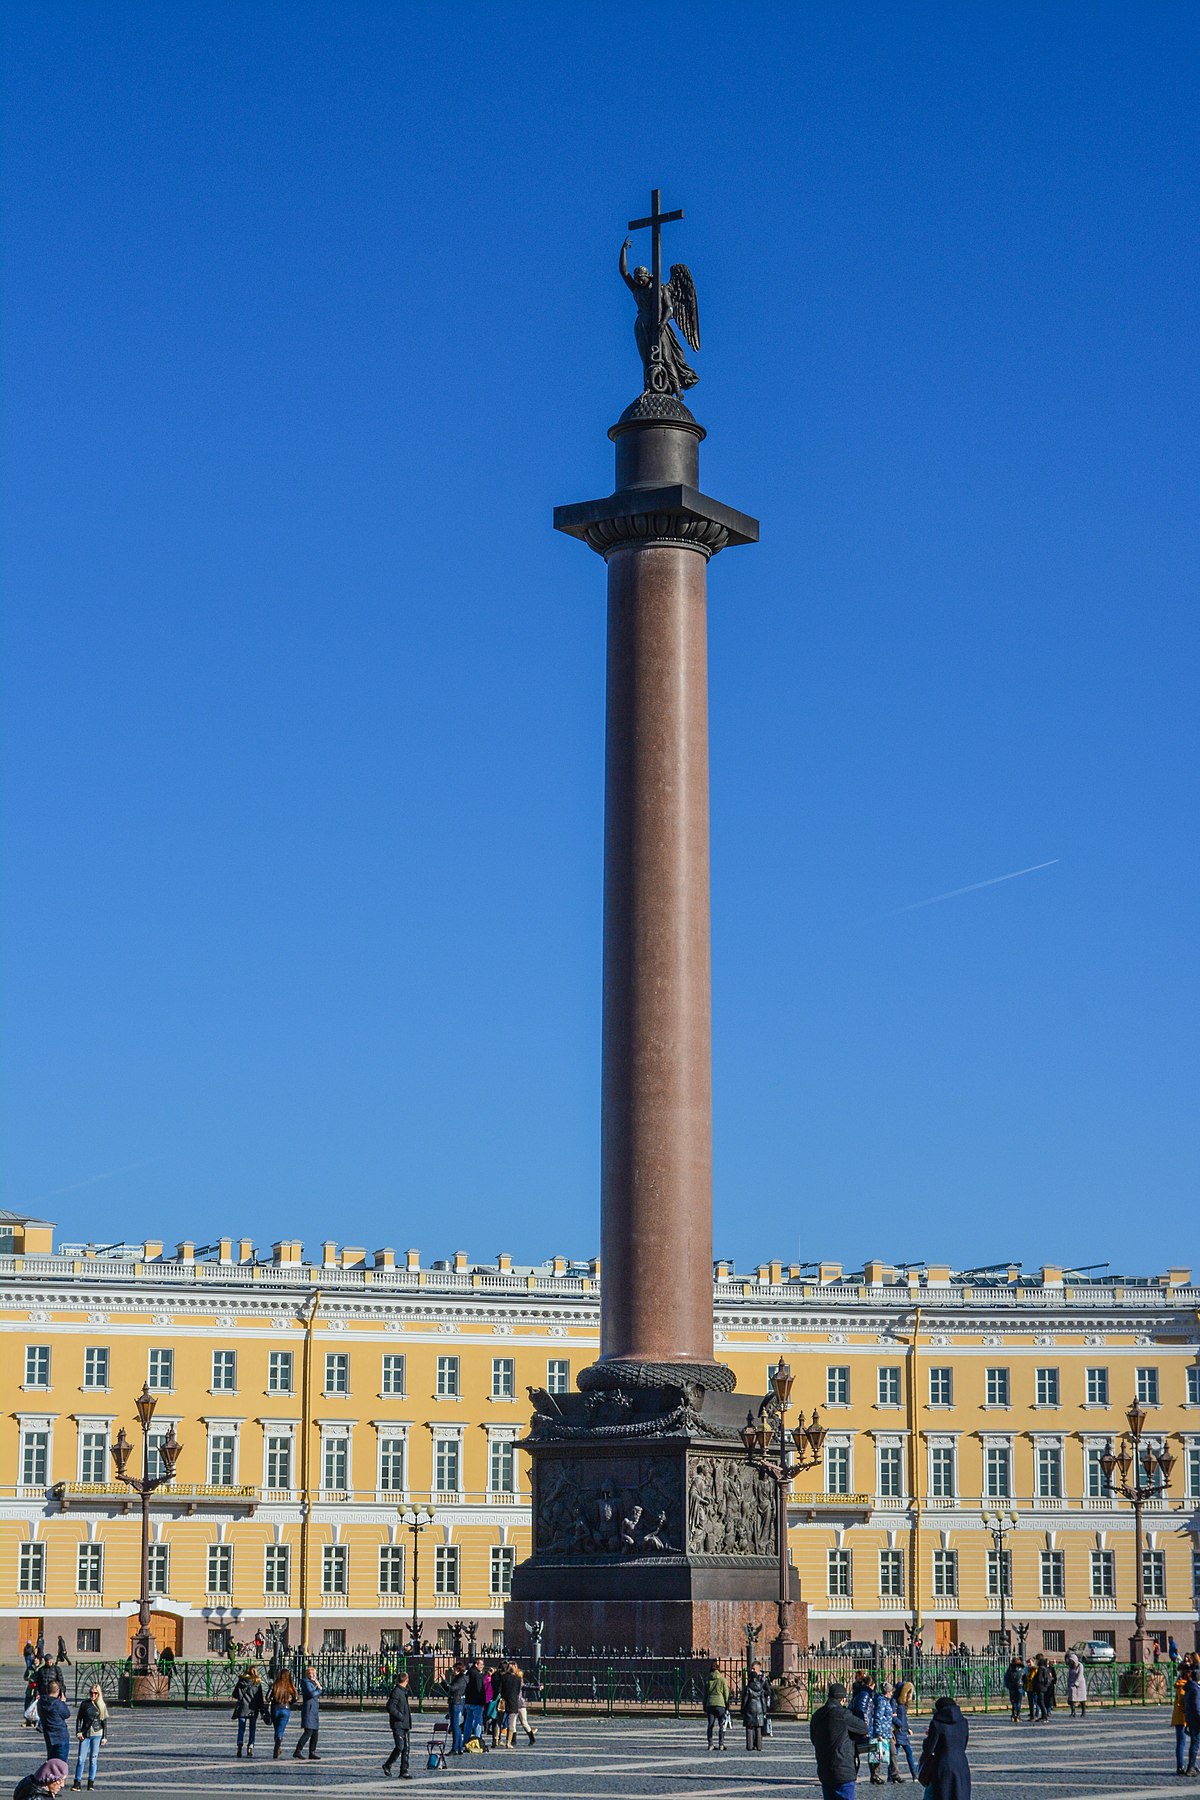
247 1708
399 1712
54 1717
944 1769
835 1731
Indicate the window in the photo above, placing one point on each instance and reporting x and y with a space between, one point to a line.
87 1640
1097 1387
503 1561
997 1472
218 1640
1106 1636
1049 1472
1093 1475
840 1575
93 1446
501 1469
997 1566
224 1373
279 1372
31 1568
391 1568
160 1568
221 1447
837 1385
220 1568
335 1466
333 1637
277 1572
89 1569
1104 1575
1192 1476
445 1569
391 1465
35 1457
335 1560
1154 1569
95 1366
887 1378
1193 1386
558 1376
1147 1386
892 1639
941 1473
337 1372
447 1378
161 1373
837 1468
1054 1640
392 1381
1046 1387
153 1445
1196 1574
1053 1577
504 1373
37 1365
445 1467
891 1471
941 1387
996 1387
891 1574
945 1574
279 1460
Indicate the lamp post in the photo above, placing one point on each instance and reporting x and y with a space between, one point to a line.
143 1655
1143 1471
766 1441
1000 1521
415 1519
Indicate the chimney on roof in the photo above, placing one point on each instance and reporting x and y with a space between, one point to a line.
874 1272
1177 1278
225 1249
460 1261
384 1259
185 1252
559 1265
829 1271
412 1259
246 1250
287 1250
152 1249
352 1256
1051 1277
329 1254
503 1261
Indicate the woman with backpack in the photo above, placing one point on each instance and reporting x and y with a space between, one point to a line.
247 1705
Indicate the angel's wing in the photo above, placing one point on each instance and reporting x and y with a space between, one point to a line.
682 290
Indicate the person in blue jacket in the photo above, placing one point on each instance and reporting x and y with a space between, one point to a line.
310 1715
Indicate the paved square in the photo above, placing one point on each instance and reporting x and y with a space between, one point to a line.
1126 1755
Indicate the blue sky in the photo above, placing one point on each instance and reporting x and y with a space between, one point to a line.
312 315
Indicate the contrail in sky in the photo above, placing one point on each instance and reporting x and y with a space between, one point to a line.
973 888
73 1187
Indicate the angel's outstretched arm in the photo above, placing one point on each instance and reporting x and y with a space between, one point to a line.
623 264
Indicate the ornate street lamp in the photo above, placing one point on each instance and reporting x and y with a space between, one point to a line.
1000 1522
766 1440
1139 1471
143 1654
415 1519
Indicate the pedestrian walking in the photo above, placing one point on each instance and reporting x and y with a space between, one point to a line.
91 1728
54 1717
248 1705
456 1694
43 1676
62 1656
491 1711
283 1698
880 1719
1191 1719
835 1733
902 1699
399 1715
1076 1685
30 1655
944 1768
44 1783
716 1705
1014 1682
512 1694
862 1692
1050 1684
475 1699
310 1715
756 1701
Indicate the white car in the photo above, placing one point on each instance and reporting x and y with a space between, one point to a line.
1093 1651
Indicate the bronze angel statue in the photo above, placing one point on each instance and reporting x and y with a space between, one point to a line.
663 362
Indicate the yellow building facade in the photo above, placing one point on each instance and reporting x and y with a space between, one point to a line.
319 1402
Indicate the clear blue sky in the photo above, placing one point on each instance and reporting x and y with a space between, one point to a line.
311 316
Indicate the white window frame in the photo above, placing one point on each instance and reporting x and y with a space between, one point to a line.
391 1443
839 1454
1052 1574
891 1457
945 1574
277 1569
332 1437
454 1439
30 1452
274 1435
93 1454
393 1374
337 1369
280 1363
1193 1385
891 1585
504 1378
837 1384
1096 1386
999 1565
839 1573
91 1363
997 1391
391 1560
998 1462
448 1377
37 1366
31 1566
500 1442
1047 1387
942 1458
941 1386
1147 1385
159 1557
160 1358
335 1569
889 1385
1154 1565
89 1567
558 1375
447 1571
224 1362
1103 1575
222 1443
502 1560
218 1557
1049 1474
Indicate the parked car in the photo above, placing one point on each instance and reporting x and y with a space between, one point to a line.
859 1647
1094 1651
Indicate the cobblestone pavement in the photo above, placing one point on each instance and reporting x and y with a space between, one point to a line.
1126 1755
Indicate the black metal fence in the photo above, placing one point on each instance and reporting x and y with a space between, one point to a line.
669 1686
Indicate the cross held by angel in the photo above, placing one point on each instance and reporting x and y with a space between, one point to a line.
661 305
